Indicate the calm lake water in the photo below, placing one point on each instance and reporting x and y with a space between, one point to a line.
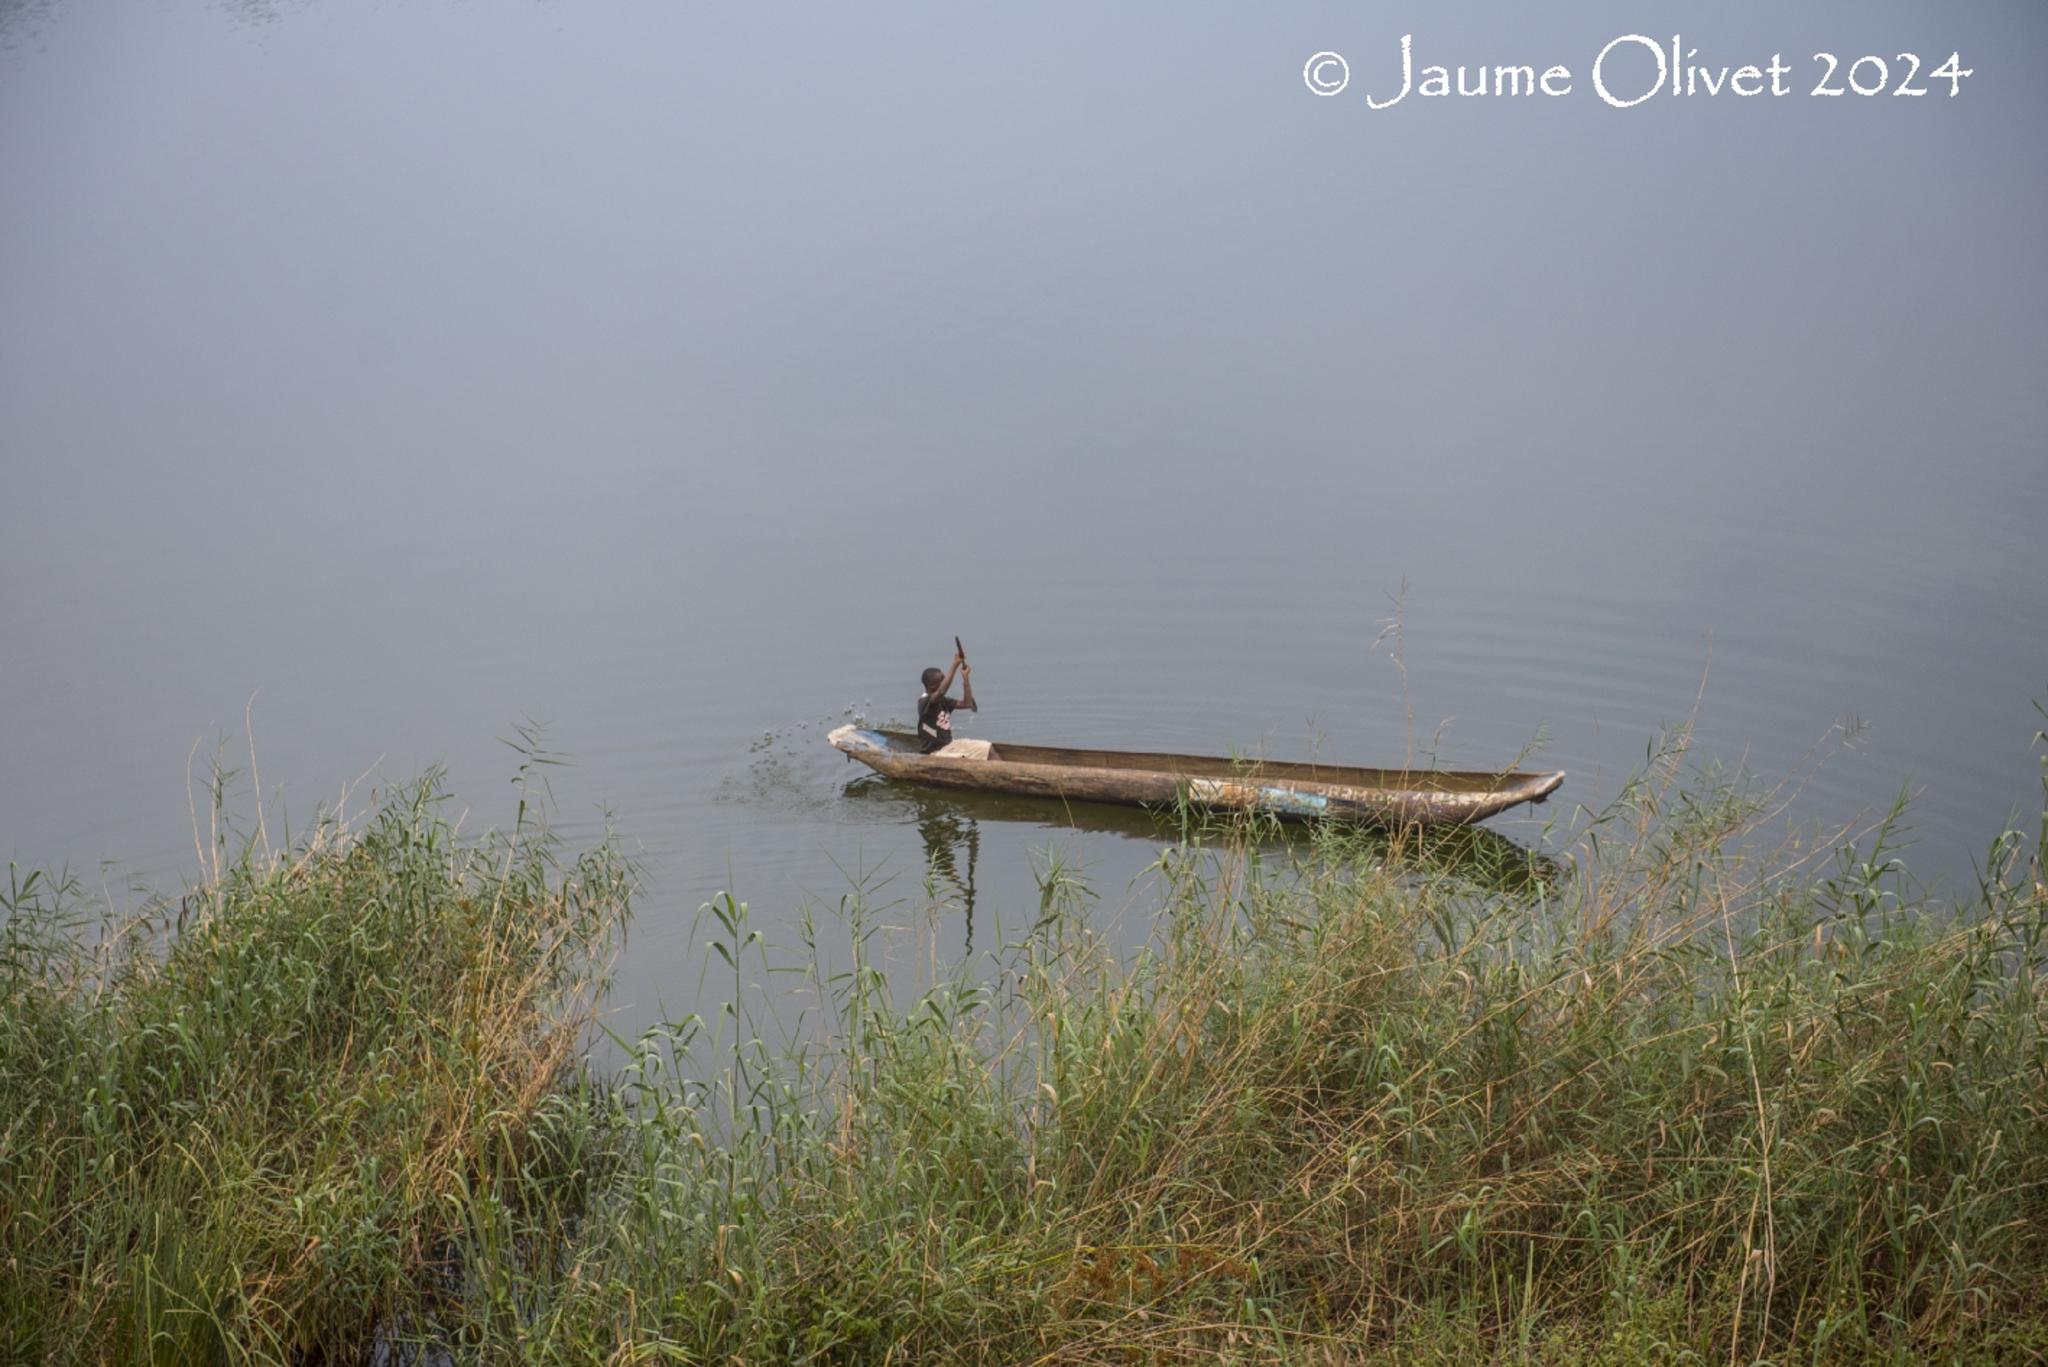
683 377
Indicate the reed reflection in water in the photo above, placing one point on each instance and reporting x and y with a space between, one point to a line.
949 825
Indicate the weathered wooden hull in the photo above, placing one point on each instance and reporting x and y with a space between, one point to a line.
1380 796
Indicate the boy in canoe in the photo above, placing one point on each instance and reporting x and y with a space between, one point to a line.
935 710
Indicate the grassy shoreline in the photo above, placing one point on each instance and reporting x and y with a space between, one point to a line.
1687 1101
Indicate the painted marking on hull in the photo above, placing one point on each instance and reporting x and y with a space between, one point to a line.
1225 793
1287 800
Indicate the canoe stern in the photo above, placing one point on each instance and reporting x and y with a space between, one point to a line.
873 748
860 742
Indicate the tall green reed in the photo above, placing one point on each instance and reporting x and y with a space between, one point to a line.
1690 1091
1694 1095
251 1125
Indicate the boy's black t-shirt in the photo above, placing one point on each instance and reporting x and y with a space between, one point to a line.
934 720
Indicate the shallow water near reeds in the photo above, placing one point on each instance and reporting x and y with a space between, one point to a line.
685 381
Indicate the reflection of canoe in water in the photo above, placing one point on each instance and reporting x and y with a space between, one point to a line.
949 817
1388 796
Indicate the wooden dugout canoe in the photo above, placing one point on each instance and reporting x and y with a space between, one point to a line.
1395 797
